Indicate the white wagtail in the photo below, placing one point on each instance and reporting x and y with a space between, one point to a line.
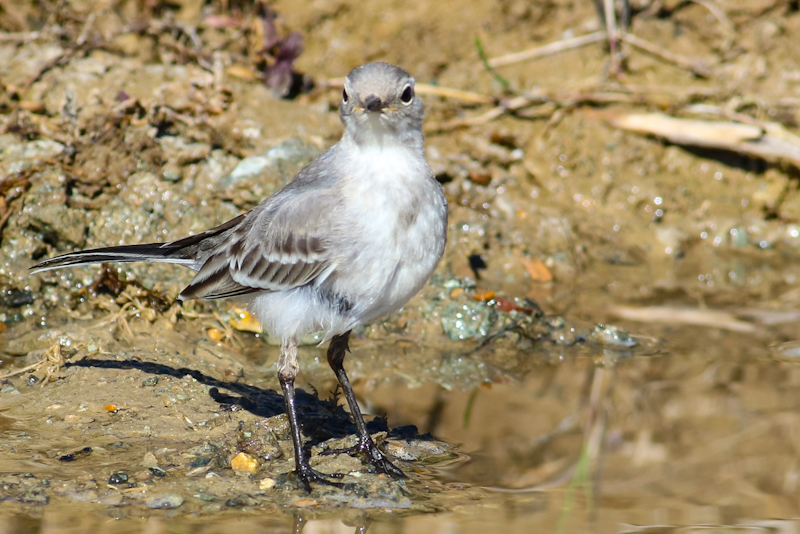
350 239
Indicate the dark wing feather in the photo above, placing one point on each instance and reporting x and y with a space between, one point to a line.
245 264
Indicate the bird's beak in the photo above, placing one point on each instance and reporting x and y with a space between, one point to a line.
373 103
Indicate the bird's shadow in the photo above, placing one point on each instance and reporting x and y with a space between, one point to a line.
320 419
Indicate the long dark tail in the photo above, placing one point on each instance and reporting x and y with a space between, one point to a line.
127 253
181 252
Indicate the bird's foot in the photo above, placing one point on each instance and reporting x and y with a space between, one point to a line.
366 448
307 476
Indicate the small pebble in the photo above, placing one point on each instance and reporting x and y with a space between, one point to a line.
199 471
613 336
241 501
73 419
149 460
9 389
200 461
267 484
164 501
113 498
152 381
158 472
35 496
244 462
86 451
143 476
278 424
118 478
789 351
84 479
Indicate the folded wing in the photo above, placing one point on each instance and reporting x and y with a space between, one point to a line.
272 250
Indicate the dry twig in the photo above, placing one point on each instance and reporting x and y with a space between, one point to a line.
52 358
613 35
610 16
696 317
720 15
19 37
549 49
505 106
696 67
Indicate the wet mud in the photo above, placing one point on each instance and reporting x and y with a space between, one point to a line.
609 344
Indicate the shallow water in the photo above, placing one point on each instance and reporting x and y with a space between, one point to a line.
700 433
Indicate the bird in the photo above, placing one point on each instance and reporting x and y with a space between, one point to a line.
350 239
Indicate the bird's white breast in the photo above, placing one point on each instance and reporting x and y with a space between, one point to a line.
392 205
383 184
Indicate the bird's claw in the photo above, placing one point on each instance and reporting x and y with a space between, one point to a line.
367 448
307 476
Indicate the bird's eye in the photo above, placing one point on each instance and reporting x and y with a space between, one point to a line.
344 96
408 95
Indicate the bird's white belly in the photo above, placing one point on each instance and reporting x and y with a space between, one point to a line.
394 226
400 277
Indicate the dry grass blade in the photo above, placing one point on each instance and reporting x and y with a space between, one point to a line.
612 33
19 37
550 49
695 66
718 14
509 105
691 316
52 359
463 123
556 47
769 141
539 107
456 94
4 217
23 370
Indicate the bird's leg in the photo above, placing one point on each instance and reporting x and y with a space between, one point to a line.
365 446
287 371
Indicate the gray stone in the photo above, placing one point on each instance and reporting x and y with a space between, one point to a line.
165 501
281 162
467 320
46 212
9 389
178 150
